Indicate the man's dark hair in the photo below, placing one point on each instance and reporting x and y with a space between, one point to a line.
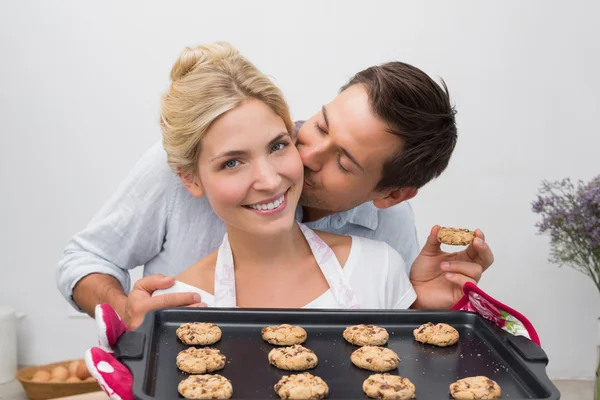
416 109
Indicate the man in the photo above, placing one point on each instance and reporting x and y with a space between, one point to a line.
390 131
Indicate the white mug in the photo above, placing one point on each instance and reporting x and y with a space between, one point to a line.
8 343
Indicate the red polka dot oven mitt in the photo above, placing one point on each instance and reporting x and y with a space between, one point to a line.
477 301
114 377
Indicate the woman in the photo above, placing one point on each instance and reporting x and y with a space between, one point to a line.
228 134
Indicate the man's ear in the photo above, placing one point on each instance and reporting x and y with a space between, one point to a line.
192 184
395 196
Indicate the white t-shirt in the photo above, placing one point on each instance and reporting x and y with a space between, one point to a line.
376 272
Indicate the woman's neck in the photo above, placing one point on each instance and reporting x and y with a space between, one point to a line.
265 252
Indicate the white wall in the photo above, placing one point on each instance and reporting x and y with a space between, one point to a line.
80 84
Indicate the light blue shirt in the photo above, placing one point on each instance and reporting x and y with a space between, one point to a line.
153 221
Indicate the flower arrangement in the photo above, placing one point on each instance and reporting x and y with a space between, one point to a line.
571 216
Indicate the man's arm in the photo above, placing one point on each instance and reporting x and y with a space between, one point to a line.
127 232
96 289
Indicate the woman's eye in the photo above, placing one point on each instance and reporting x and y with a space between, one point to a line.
231 164
278 146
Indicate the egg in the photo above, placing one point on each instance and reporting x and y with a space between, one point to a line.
91 379
82 371
59 373
41 376
73 367
73 378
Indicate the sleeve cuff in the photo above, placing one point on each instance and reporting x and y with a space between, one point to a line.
69 279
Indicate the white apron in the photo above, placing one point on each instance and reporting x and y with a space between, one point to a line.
330 267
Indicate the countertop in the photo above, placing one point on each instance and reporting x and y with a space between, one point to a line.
14 391
570 390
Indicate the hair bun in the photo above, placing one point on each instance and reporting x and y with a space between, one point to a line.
192 58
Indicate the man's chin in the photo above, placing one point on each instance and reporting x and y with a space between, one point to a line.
313 210
312 202
309 202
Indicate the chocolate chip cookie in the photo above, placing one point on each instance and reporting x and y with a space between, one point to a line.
200 361
284 335
389 387
199 333
455 236
441 335
302 386
475 387
375 358
366 335
205 387
293 358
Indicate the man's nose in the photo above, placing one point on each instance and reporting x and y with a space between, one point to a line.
313 155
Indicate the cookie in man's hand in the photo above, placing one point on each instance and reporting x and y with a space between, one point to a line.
455 236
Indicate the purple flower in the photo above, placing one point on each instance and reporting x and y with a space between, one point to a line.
570 215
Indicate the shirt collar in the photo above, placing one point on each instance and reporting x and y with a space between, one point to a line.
364 215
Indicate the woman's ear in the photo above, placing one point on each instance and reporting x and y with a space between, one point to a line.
192 184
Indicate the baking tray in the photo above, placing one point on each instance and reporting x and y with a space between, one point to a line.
515 362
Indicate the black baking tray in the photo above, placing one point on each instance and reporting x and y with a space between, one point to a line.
515 362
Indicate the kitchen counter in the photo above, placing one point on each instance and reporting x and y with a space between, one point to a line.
570 390
14 391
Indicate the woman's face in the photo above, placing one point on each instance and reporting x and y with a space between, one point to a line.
250 170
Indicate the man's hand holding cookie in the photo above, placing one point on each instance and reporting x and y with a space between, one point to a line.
438 277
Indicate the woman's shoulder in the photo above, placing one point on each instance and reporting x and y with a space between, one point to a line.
340 244
333 239
362 249
378 250
201 274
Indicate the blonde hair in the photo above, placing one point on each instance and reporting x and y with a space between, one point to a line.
208 81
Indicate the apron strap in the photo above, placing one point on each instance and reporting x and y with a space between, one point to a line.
331 269
225 276
324 256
